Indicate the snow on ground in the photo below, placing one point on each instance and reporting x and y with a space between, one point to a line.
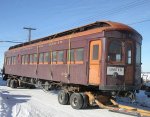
37 103
143 100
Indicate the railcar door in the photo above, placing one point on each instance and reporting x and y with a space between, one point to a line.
95 65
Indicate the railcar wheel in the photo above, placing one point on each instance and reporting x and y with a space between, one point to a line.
32 81
85 100
21 84
76 101
63 97
8 82
132 96
16 83
46 86
39 84
12 83
51 87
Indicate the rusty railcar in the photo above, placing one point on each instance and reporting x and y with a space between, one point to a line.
103 57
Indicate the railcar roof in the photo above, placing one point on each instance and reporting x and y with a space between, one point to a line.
98 24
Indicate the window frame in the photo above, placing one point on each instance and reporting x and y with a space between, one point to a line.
22 59
54 62
26 59
44 58
98 55
71 61
12 58
35 62
30 59
39 59
8 60
58 57
122 51
79 61
74 61
132 50
15 60
138 62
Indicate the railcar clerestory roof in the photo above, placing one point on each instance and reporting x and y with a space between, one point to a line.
106 25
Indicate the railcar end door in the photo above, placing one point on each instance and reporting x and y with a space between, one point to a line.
94 64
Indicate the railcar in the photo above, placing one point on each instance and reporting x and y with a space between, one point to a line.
102 57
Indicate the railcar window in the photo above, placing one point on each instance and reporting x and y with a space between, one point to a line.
31 58
22 59
12 58
129 54
46 57
79 54
18 58
41 58
115 51
95 52
15 59
8 60
5 60
72 55
138 54
34 58
60 56
26 59
54 56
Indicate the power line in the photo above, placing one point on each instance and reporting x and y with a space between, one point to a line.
10 42
138 22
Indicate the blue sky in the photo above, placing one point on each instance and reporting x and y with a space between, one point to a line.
52 16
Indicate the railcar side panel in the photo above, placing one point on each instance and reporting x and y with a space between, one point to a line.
75 73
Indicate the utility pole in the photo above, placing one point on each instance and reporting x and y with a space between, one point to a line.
29 29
